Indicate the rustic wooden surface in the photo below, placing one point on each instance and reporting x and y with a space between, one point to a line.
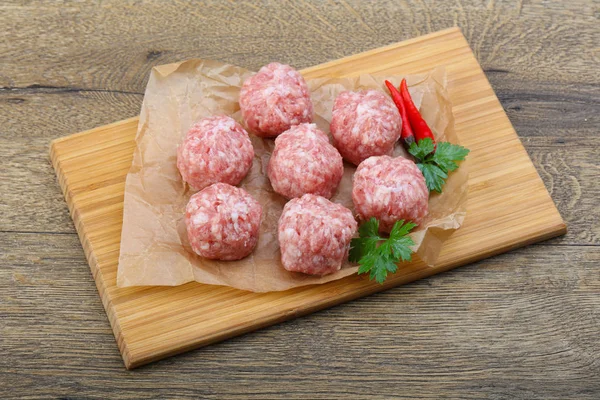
92 166
522 325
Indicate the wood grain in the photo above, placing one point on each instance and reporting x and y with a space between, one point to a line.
508 207
530 334
540 59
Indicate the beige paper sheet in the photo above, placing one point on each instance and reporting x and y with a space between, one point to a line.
154 246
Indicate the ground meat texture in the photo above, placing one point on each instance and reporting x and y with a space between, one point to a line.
389 189
314 235
304 161
222 222
274 100
364 124
215 149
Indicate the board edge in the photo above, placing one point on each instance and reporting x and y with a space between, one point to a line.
405 42
85 243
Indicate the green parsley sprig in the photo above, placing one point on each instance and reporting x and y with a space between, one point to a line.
435 163
378 255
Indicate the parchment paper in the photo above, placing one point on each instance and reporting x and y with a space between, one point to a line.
154 246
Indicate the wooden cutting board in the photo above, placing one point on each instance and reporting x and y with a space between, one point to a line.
508 207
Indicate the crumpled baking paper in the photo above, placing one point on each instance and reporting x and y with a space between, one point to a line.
154 245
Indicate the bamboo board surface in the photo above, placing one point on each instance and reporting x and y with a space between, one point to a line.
508 207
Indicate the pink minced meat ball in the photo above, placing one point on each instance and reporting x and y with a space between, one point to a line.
222 222
215 149
274 100
389 189
304 161
314 235
364 124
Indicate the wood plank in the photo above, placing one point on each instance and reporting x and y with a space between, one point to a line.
508 207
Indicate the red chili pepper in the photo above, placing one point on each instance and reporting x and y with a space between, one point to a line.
418 124
407 135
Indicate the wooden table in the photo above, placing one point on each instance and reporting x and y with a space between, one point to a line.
522 325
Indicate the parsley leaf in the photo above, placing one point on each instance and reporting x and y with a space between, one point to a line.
401 229
377 255
366 242
447 154
436 160
380 267
422 149
435 177
370 228
400 242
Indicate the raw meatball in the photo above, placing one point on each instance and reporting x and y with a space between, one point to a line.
304 161
222 222
215 149
314 235
274 100
364 124
389 189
